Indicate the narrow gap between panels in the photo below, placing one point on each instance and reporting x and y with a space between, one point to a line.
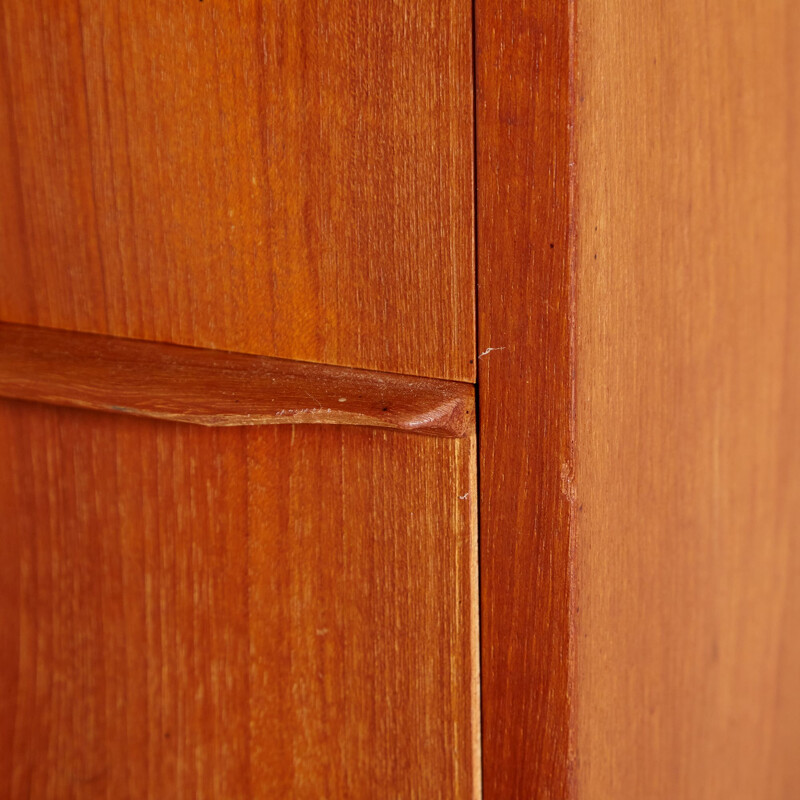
475 217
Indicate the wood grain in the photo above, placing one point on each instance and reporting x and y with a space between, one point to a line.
287 179
639 432
525 219
688 387
210 387
223 612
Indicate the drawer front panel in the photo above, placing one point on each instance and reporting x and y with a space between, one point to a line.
287 179
263 612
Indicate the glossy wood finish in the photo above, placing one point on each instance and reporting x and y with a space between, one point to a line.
688 385
221 612
210 387
525 220
288 179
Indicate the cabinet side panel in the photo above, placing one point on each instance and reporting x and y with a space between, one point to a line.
688 387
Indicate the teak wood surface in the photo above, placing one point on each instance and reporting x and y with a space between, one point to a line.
524 182
287 179
292 610
209 387
687 475
234 612
639 398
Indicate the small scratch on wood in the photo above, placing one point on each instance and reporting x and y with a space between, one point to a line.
489 350
282 412
567 483
463 496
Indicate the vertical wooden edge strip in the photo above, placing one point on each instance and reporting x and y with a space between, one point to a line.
526 256
475 622
572 602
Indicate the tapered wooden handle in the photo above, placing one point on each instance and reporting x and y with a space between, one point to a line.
211 387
